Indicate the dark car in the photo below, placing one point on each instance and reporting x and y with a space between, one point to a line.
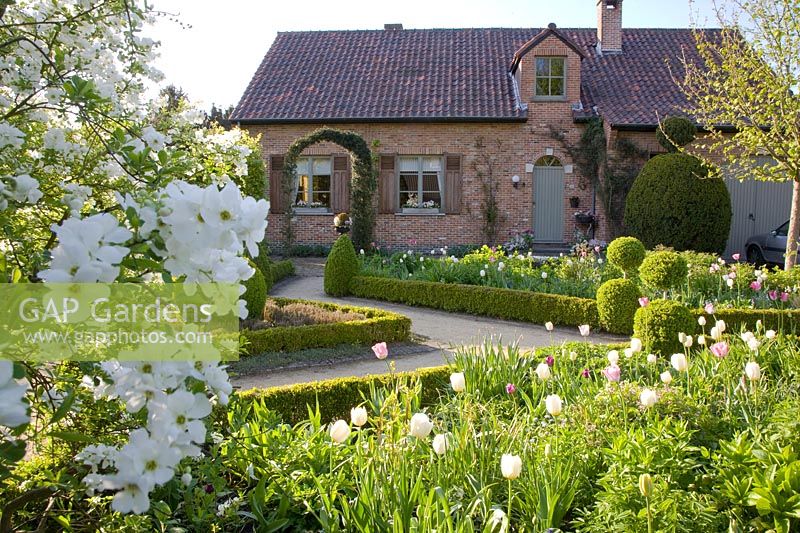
768 247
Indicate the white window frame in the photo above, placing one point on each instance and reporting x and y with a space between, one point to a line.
420 178
310 166
536 79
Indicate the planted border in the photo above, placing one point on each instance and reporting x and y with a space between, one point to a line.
509 304
378 326
786 320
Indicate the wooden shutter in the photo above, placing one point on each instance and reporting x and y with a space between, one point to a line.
277 199
387 185
340 184
452 184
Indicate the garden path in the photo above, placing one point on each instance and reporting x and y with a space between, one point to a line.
438 329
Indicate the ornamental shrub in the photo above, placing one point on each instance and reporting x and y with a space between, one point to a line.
617 301
664 270
282 269
659 323
341 267
673 203
255 294
675 132
626 253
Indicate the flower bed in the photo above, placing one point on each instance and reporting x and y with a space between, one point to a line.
377 325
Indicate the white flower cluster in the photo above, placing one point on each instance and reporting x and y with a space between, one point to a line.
87 250
13 408
75 196
22 189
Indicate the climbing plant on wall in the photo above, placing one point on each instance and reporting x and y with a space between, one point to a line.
363 184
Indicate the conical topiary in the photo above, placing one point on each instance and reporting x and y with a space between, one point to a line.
341 267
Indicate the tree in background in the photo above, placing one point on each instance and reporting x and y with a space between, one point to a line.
747 83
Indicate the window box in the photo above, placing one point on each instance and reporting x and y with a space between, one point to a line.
421 211
311 210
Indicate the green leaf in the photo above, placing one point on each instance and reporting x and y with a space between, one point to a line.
72 436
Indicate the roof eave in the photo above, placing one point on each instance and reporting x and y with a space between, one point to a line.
372 120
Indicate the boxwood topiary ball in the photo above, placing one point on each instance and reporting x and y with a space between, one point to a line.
340 268
255 294
675 132
626 253
674 203
659 323
617 301
664 270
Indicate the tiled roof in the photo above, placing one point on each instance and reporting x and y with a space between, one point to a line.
451 74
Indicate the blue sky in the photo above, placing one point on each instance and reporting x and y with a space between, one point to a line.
215 57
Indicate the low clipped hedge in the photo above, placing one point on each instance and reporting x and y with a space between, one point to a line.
337 396
509 304
378 326
282 269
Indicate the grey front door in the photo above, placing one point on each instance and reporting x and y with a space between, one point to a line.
548 202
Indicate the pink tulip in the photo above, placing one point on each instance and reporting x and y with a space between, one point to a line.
709 308
510 388
756 285
381 350
585 373
773 295
735 257
720 349
550 360
612 373
644 301
784 296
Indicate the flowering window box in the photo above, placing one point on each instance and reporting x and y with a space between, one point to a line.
421 211
311 210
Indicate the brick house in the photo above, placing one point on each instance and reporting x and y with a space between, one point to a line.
455 113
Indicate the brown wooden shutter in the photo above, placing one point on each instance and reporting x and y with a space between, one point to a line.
277 200
387 185
452 184
340 184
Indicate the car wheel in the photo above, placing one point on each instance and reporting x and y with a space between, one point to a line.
755 256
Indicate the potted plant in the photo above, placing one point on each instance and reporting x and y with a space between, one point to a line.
414 207
584 217
342 223
574 202
309 208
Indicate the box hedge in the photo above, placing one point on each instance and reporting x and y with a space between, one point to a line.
786 320
377 326
282 269
509 304
337 396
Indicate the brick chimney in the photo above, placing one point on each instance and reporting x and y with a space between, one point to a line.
609 26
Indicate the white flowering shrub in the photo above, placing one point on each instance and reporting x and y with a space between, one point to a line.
97 185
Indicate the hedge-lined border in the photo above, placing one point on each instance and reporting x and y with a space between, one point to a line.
378 326
786 320
282 269
525 306
337 396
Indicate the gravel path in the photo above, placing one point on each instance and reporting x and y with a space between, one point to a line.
440 330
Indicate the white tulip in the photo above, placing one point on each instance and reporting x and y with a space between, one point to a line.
652 358
186 479
701 321
752 371
573 356
770 334
421 425
753 344
666 377
339 431
613 357
636 344
681 337
458 382
510 466
548 326
543 371
584 330
720 325
715 333
440 444
688 341
729 282
628 353
648 397
358 416
679 362
553 404
701 340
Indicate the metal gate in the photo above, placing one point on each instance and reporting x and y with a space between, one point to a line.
758 207
548 201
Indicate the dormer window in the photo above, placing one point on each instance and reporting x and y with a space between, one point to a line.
551 79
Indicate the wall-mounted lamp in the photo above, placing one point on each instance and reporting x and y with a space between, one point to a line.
515 181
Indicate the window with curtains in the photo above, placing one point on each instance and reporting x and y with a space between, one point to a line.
421 182
313 182
550 78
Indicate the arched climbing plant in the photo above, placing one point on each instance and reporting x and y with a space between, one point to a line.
363 183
